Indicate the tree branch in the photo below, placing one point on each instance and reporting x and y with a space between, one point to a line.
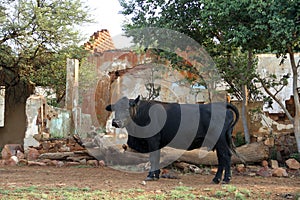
276 99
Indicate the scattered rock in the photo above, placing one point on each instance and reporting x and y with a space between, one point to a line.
82 162
46 145
184 167
213 170
195 169
252 174
269 142
72 163
20 155
56 155
23 162
93 163
279 172
60 164
274 164
2 162
143 182
264 163
10 150
34 163
240 168
264 171
53 163
32 154
65 148
167 174
292 163
259 139
101 163
12 161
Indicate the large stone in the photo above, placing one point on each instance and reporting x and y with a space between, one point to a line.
93 163
279 172
32 154
240 168
10 150
34 163
269 142
264 163
12 161
274 164
292 163
264 171
56 155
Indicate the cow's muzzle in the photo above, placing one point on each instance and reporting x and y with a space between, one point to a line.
116 123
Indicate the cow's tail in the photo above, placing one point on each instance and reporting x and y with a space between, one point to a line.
236 112
229 132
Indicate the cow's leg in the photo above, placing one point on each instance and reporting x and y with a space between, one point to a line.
224 162
227 165
219 173
154 170
227 176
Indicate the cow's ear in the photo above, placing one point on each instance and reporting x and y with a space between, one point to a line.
108 108
135 102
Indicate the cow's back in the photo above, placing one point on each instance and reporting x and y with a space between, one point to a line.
186 126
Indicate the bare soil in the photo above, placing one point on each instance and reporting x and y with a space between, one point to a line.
108 179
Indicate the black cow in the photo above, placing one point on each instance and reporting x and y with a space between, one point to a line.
152 125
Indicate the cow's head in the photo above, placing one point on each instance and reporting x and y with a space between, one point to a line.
124 108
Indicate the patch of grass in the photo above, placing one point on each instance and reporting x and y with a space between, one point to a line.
159 197
295 156
240 196
220 194
229 188
4 192
29 189
297 196
129 191
246 192
183 188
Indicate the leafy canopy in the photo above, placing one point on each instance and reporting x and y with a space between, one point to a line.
36 37
226 29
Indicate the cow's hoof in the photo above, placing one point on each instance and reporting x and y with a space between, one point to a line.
216 180
151 178
226 181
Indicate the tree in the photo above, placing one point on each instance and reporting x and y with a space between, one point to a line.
36 37
222 27
204 22
284 39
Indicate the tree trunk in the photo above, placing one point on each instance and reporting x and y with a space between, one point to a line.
245 114
296 96
252 153
115 155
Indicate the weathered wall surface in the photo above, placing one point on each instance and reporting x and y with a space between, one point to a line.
44 122
14 115
14 130
268 64
125 73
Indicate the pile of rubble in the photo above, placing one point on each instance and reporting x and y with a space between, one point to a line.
271 168
51 152
69 152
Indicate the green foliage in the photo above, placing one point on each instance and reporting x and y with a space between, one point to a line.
227 29
36 37
295 156
232 31
239 139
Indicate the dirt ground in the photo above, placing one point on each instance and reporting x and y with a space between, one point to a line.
105 178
